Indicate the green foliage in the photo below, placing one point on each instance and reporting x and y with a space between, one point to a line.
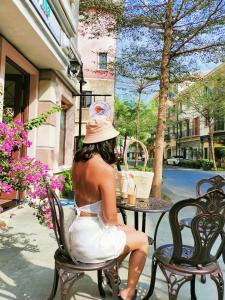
195 164
217 169
206 164
36 122
67 191
220 153
126 118
206 96
7 118
140 168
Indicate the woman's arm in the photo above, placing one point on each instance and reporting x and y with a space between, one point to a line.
107 187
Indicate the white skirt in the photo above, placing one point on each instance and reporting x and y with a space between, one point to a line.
91 241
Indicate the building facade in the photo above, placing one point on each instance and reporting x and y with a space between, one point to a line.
188 132
38 48
98 57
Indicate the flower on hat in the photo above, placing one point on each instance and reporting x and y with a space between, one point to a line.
100 108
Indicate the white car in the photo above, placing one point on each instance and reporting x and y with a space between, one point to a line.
174 160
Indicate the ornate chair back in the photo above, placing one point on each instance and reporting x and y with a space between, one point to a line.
205 227
214 183
58 222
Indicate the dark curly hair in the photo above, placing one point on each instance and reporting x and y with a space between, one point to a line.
105 149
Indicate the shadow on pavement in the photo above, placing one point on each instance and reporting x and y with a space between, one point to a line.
20 278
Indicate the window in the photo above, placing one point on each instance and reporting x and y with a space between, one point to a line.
62 137
102 60
187 127
196 126
86 99
219 124
205 153
180 129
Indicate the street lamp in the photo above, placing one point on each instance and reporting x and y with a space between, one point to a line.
73 68
80 78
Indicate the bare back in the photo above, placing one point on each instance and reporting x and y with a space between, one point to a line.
94 180
86 178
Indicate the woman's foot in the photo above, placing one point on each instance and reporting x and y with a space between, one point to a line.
128 294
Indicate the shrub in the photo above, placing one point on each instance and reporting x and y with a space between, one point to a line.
140 168
206 164
195 164
67 190
220 152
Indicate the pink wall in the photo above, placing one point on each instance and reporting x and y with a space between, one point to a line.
89 49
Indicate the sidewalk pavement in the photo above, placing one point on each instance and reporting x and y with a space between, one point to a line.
26 263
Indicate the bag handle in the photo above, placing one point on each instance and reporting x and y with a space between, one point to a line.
144 149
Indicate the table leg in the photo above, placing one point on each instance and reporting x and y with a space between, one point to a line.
156 229
143 221
136 220
124 215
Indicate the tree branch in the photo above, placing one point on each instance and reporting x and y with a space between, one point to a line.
195 33
187 12
141 21
198 49
151 10
179 10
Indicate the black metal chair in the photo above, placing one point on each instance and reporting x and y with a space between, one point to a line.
183 262
215 182
67 269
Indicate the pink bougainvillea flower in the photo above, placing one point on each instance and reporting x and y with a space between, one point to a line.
25 173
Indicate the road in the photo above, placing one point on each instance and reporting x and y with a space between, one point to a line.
179 183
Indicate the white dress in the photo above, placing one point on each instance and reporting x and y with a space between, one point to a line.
90 240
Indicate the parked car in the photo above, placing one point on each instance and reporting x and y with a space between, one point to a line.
174 160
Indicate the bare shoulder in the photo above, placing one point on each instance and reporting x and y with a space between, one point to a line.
101 167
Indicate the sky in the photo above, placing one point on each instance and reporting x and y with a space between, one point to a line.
125 90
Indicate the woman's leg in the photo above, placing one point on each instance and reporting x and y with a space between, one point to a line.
121 258
137 244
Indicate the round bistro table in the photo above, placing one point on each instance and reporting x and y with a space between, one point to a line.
144 206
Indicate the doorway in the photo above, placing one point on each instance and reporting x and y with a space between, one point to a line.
15 104
16 93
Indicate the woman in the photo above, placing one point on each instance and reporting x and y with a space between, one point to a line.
97 234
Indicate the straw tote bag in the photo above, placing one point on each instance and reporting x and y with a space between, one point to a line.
142 179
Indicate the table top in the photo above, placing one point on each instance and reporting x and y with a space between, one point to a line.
150 205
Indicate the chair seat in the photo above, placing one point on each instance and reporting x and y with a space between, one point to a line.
186 222
80 266
164 254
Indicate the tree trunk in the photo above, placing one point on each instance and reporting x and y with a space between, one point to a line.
163 95
137 129
125 143
211 141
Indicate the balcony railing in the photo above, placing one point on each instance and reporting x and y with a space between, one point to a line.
189 133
